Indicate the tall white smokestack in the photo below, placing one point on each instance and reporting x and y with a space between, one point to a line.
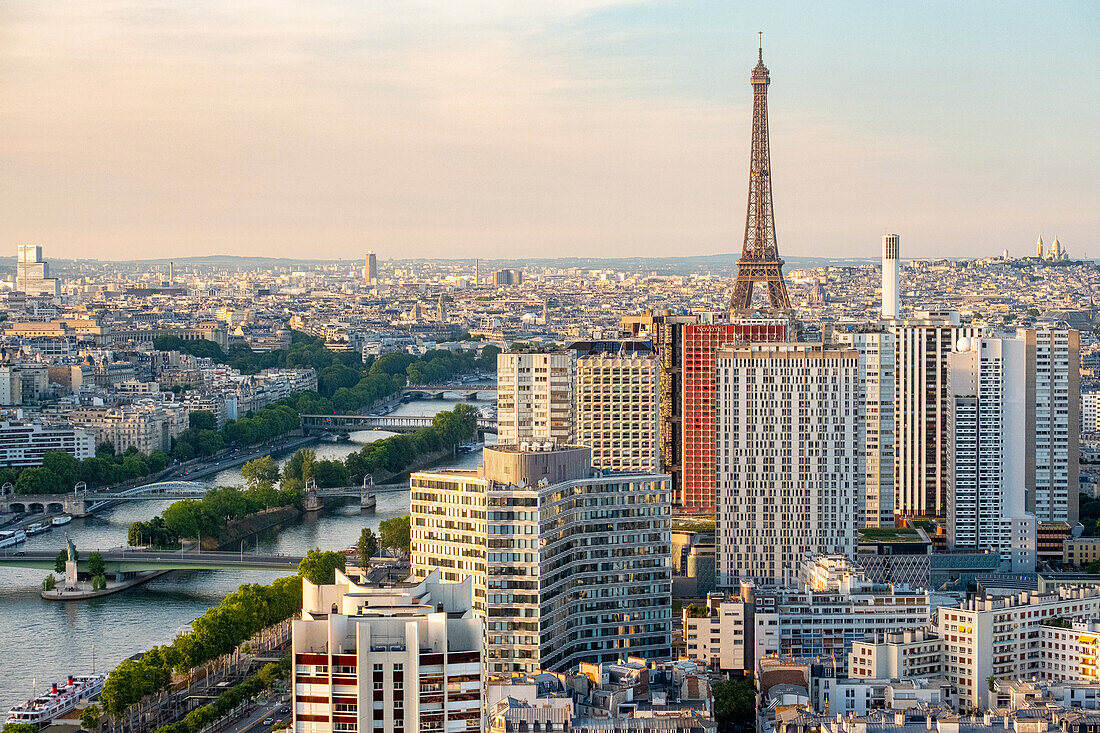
891 245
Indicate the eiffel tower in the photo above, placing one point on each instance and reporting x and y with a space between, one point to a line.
760 261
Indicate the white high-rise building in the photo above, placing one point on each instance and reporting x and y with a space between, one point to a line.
568 566
535 397
875 347
617 389
921 346
1054 469
392 660
788 457
1090 409
891 258
987 449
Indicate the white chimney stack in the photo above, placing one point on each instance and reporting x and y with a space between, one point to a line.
891 245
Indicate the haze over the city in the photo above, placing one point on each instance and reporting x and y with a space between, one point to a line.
589 127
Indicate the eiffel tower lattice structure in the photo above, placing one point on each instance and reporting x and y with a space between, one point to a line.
760 262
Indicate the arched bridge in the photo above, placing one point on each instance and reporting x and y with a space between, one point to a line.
124 560
391 423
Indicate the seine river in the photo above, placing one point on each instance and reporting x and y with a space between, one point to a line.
42 641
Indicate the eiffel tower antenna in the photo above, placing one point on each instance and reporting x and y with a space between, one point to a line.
760 262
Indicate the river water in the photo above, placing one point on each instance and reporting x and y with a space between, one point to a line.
42 641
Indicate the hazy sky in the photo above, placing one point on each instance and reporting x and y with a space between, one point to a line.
572 127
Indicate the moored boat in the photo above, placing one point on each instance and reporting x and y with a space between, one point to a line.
38 528
58 701
61 521
12 537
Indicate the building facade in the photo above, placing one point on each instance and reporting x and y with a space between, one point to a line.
987 438
24 444
535 397
891 259
395 660
875 347
920 411
701 342
566 566
999 637
616 394
788 457
1053 471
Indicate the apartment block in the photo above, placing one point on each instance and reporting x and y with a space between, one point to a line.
999 637
146 427
395 660
897 655
701 342
921 347
535 397
1090 408
877 376
567 566
617 388
24 444
1053 471
799 621
788 458
987 445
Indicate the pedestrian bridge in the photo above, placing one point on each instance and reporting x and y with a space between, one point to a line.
390 423
126 560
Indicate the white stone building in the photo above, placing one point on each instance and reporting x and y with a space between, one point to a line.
788 456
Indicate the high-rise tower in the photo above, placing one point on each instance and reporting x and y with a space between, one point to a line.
891 243
760 261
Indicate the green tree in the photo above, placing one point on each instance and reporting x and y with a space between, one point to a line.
59 563
49 583
202 420
734 704
63 466
96 565
36 480
331 473
1093 567
106 449
20 728
89 718
367 546
320 568
99 582
395 534
261 470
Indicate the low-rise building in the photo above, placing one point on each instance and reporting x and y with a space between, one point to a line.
24 444
1080 550
897 655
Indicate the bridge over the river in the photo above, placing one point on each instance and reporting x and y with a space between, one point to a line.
123 560
392 423
87 502
438 390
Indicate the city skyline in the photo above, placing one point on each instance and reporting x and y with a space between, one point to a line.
582 129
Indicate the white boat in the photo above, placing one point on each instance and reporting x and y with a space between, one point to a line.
61 521
58 701
38 528
10 538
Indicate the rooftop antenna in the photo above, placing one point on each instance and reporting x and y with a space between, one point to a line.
760 35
